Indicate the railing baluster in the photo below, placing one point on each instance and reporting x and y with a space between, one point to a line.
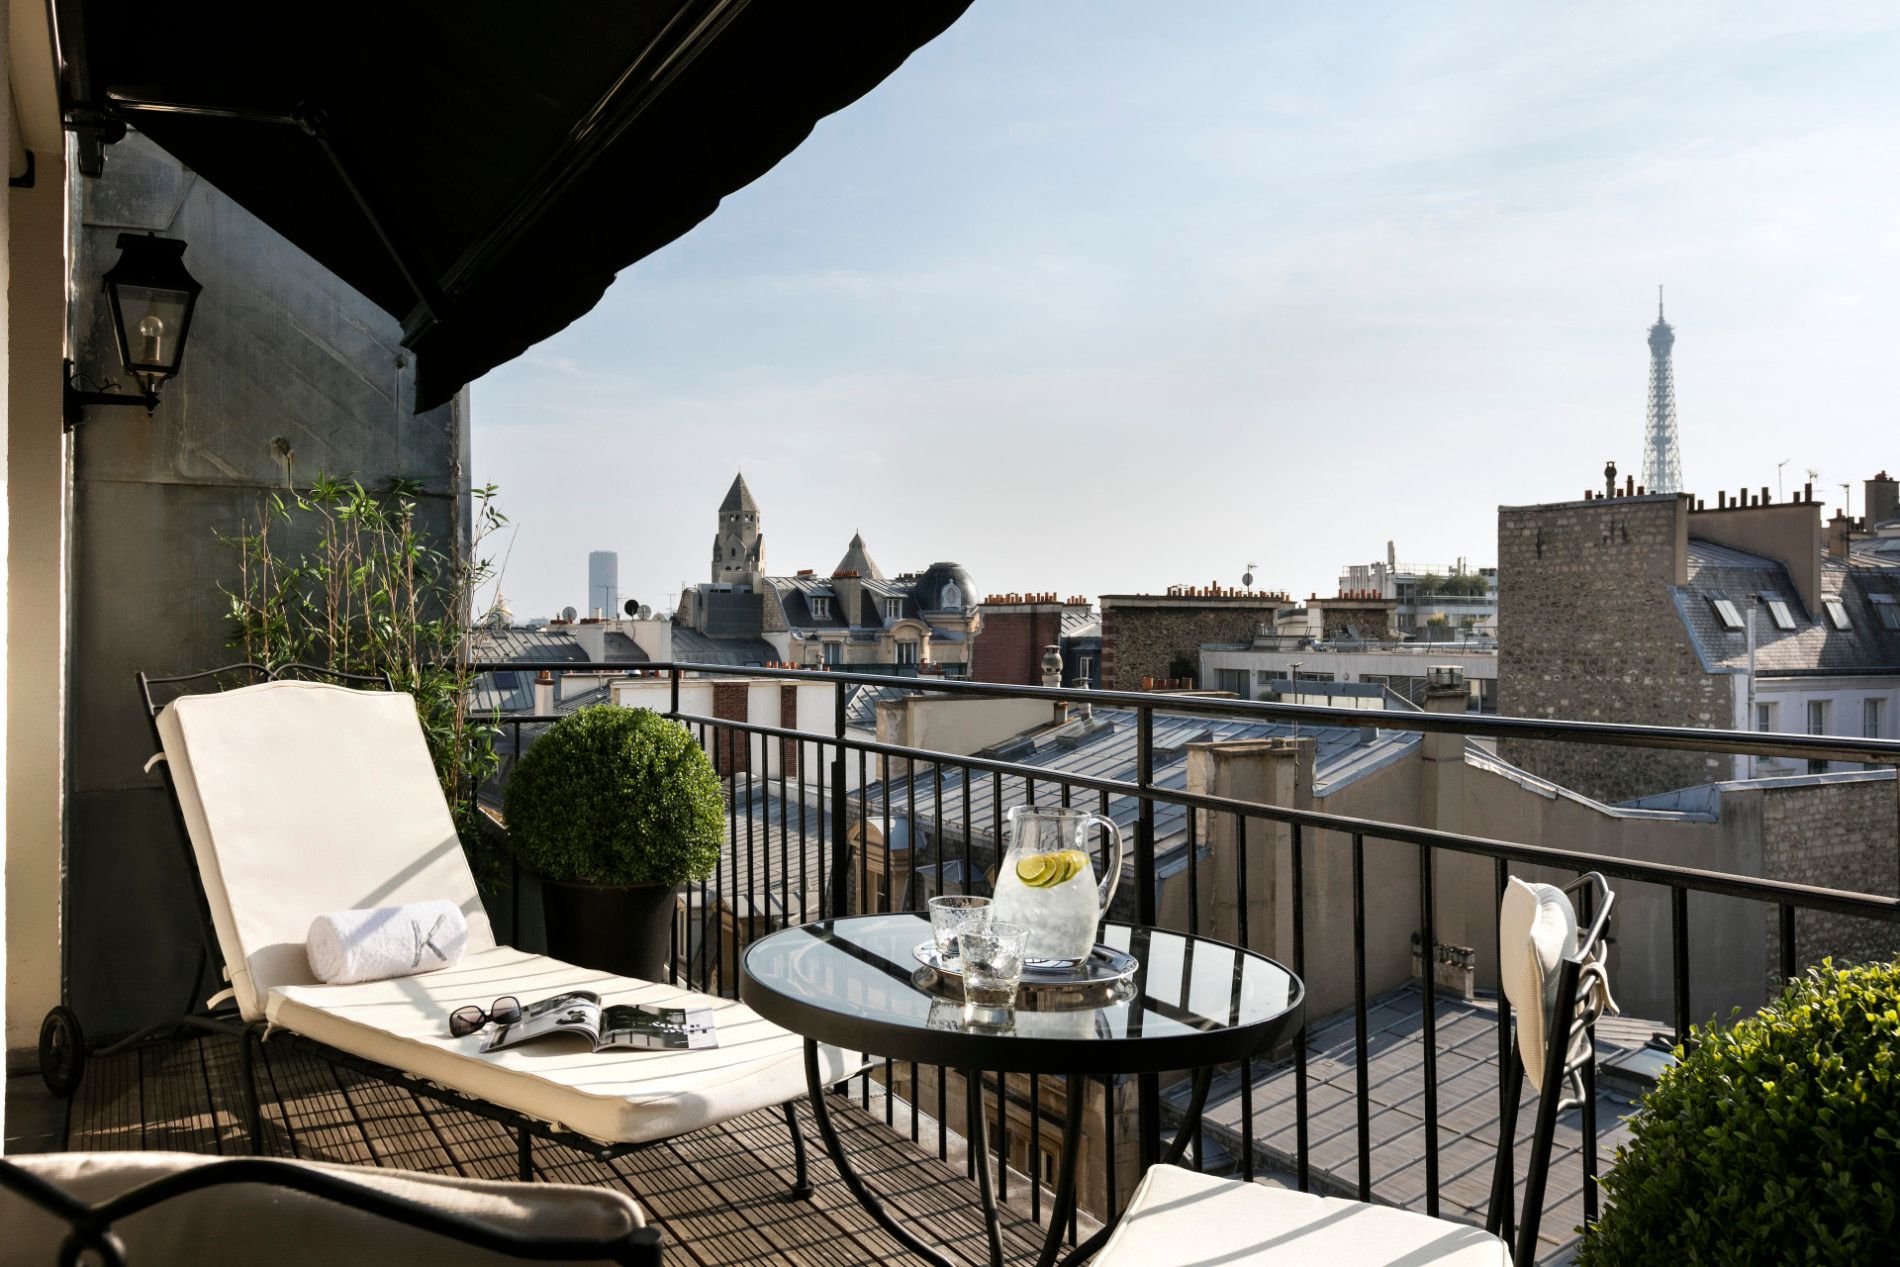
1035 1148
1302 1144
1428 959
1788 961
1147 1085
1679 951
840 845
1587 1144
1360 1071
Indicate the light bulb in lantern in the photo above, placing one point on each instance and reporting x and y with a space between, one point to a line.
151 337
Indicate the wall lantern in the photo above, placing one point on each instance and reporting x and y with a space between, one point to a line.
151 297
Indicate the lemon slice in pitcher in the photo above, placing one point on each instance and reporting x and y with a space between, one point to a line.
1073 862
1039 870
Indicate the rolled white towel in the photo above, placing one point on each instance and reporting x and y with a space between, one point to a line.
389 941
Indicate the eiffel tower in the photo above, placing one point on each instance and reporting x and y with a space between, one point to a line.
1662 455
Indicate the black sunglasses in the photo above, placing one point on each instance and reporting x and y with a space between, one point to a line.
464 1021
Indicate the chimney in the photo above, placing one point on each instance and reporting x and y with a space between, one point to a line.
1883 499
1052 665
1609 479
1839 530
544 694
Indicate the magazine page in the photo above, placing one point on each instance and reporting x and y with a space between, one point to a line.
672 1028
577 1012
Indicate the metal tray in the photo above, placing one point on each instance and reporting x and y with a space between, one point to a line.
1106 976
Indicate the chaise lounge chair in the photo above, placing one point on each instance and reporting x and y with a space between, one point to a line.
302 797
157 1209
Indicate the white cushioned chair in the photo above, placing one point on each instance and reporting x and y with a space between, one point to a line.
303 797
1178 1218
185 1210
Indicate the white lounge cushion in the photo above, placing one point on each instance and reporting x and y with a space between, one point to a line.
302 798
257 1223
613 1096
1178 1218
1537 926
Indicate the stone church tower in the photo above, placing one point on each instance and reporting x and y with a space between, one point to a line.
738 556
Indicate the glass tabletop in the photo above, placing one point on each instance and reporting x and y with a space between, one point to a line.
854 982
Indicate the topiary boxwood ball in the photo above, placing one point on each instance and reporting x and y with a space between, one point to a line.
1777 1140
615 796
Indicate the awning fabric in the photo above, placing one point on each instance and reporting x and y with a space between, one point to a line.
480 169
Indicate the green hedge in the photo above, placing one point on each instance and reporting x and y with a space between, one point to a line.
1776 1141
615 795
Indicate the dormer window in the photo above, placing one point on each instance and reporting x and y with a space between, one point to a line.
1886 610
820 606
893 609
952 599
1726 612
1836 612
1778 610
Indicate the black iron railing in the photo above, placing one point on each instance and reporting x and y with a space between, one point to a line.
801 848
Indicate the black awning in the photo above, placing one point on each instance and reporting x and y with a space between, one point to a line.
480 169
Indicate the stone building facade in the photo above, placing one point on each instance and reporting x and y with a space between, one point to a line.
1585 634
1155 635
1837 835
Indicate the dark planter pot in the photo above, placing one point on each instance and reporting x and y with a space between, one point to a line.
623 929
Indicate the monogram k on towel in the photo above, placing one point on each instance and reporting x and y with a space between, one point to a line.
389 941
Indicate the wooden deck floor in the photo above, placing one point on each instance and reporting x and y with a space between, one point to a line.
718 1195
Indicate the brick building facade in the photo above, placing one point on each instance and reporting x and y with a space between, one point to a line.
1156 635
1016 629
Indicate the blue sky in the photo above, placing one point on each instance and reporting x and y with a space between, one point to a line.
1099 297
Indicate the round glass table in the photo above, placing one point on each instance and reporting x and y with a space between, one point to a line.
854 983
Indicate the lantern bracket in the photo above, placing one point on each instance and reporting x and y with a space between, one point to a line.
76 400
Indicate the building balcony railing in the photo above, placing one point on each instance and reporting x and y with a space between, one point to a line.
825 820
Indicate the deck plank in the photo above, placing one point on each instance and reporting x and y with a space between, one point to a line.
720 1196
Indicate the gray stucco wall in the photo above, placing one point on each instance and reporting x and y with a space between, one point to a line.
281 355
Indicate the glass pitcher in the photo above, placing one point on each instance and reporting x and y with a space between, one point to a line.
1047 882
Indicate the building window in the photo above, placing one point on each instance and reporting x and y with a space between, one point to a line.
834 653
1764 716
893 609
1726 613
1817 725
1085 667
1836 612
1778 610
1886 610
820 607
907 652
1870 710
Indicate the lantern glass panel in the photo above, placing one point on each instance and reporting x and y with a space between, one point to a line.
151 327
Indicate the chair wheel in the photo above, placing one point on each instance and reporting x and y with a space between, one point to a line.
62 1052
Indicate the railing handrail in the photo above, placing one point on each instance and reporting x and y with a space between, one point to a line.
1615 734
1812 897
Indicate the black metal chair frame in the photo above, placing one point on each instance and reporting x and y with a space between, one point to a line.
225 1018
92 1224
1551 1081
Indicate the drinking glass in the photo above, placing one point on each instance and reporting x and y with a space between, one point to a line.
993 962
950 915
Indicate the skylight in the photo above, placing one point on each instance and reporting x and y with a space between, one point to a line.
1778 610
1836 612
1887 610
1726 613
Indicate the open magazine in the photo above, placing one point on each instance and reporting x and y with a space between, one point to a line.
620 1026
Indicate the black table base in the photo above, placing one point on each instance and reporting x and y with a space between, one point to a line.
977 1142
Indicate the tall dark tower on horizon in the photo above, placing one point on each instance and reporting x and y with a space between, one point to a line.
1662 453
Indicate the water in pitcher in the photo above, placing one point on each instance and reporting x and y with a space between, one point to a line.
1054 896
1048 884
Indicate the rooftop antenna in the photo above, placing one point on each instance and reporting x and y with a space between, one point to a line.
1246 578
1847 500
1780 495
